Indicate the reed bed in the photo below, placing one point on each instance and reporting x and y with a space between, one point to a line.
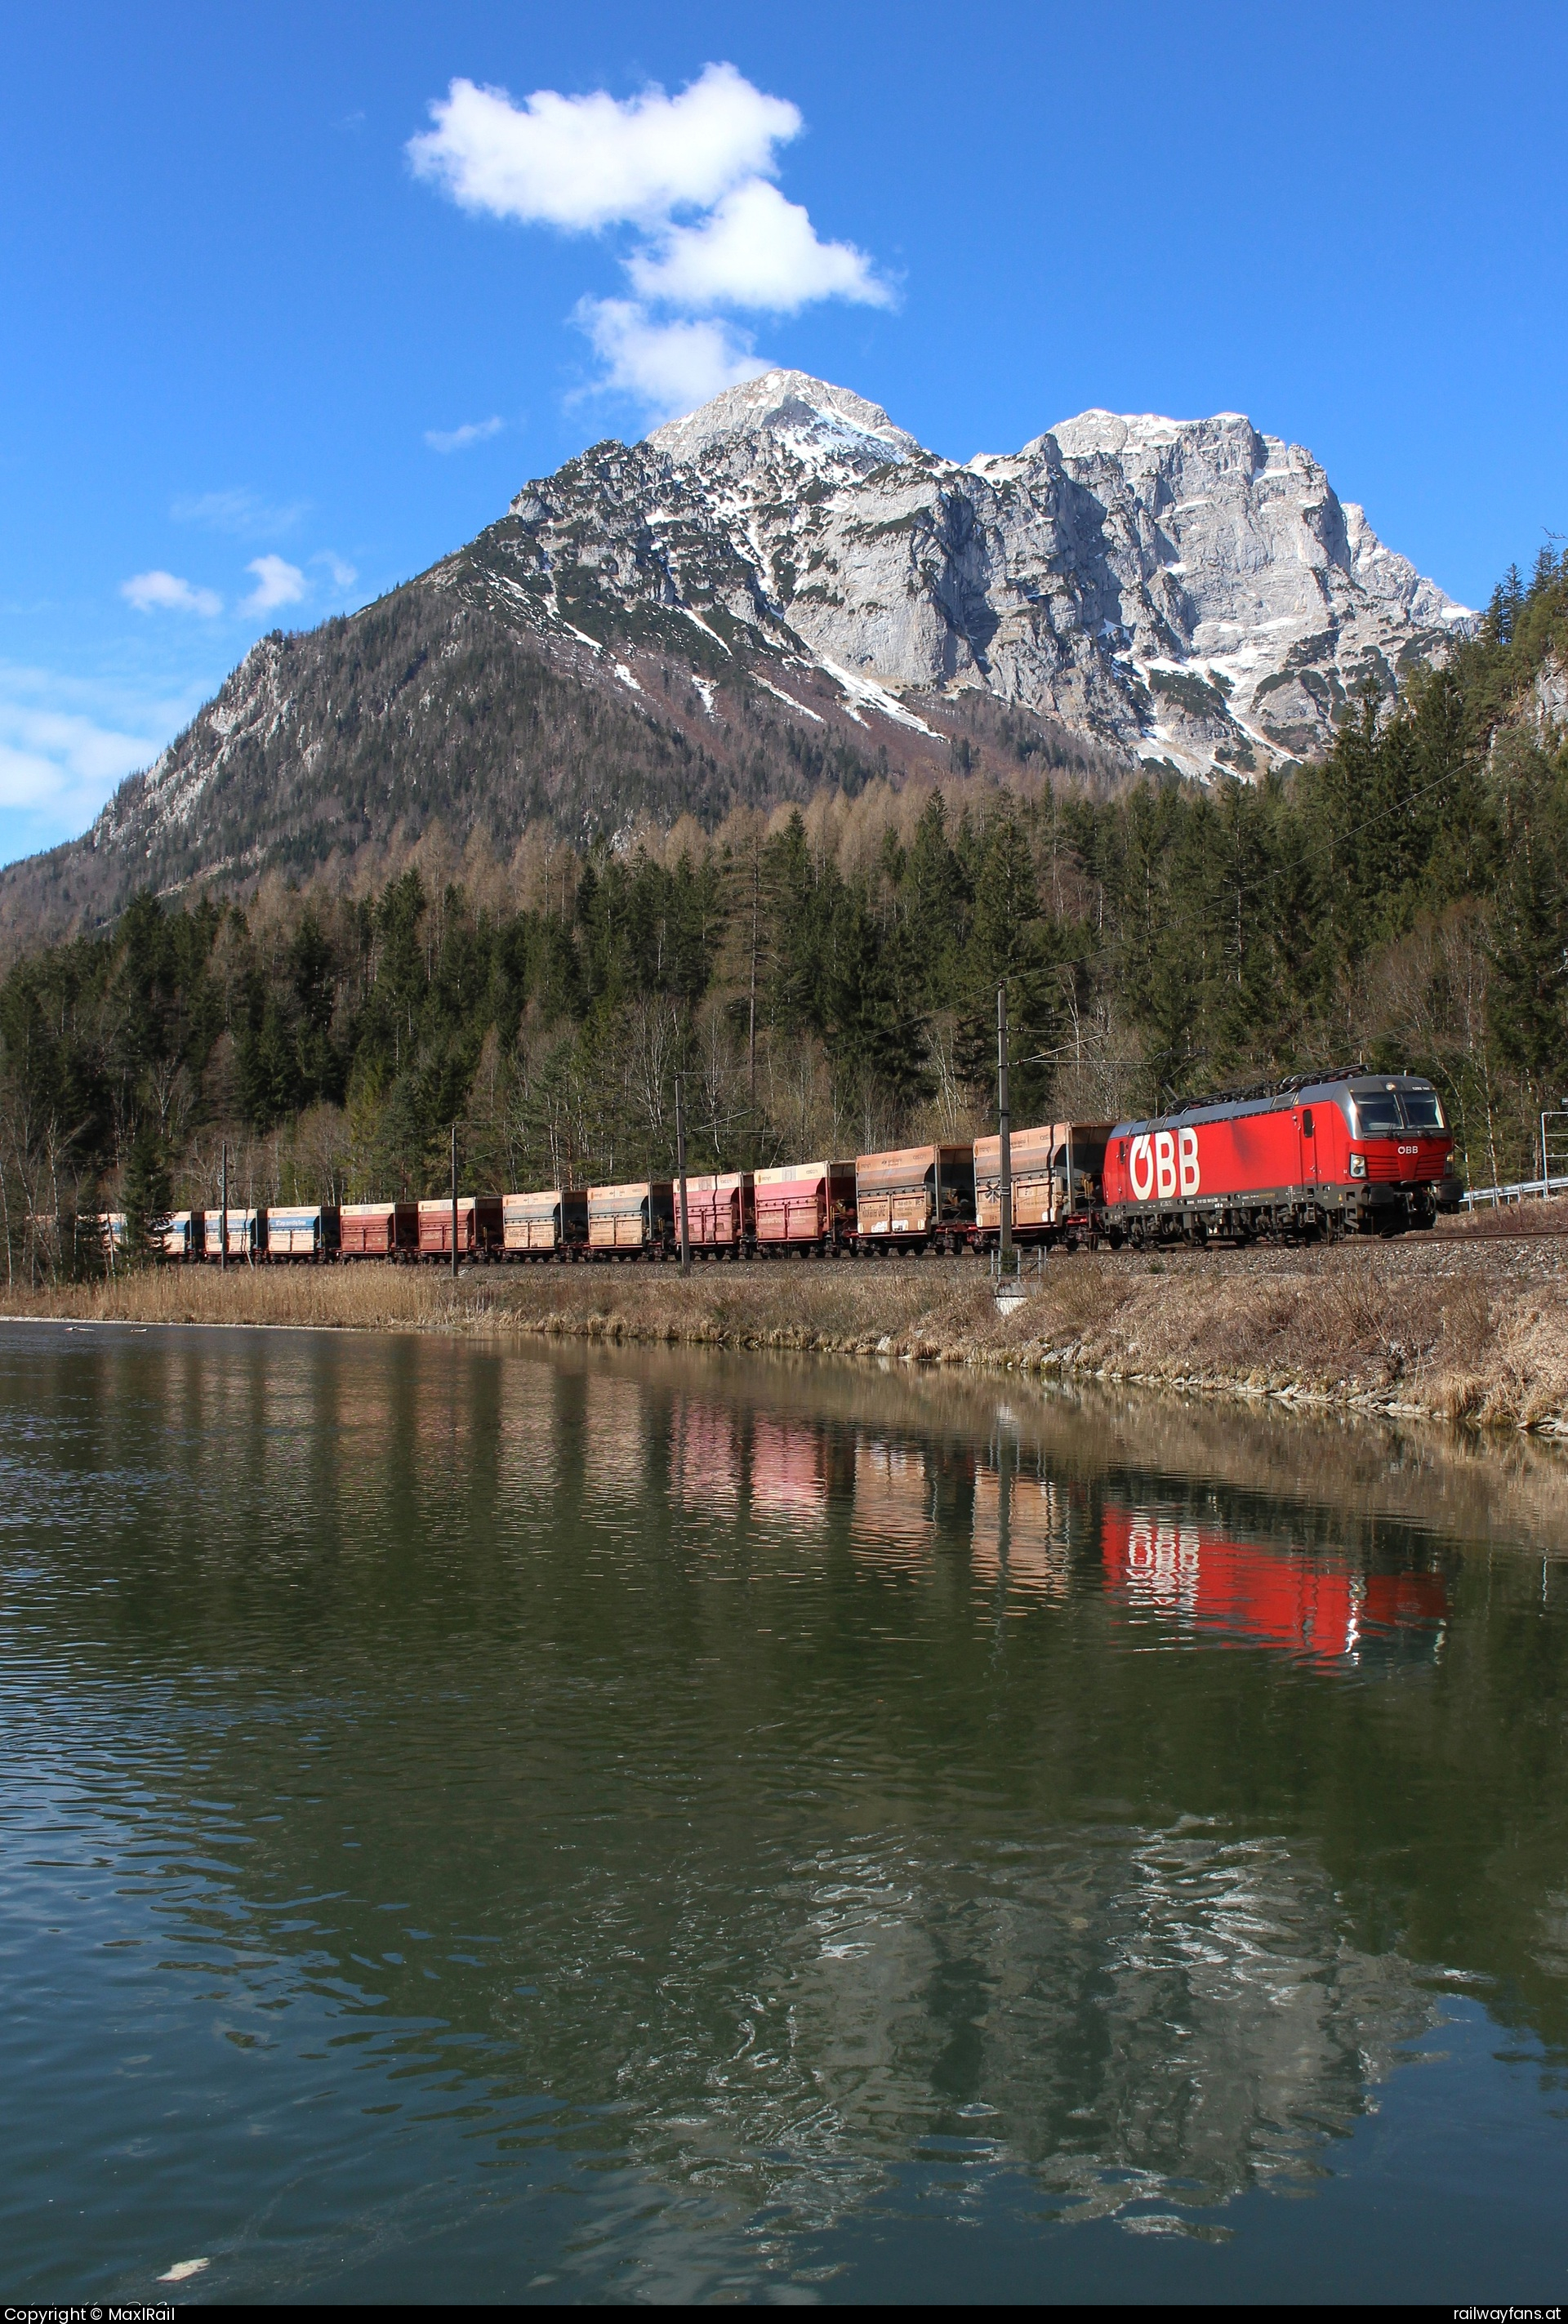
366 1298
1474 1331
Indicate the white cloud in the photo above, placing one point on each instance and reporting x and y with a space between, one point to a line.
689 175
669 367
755 250
65 744
278 583
159 592
240 511
582 162
458 440
43 755
342 574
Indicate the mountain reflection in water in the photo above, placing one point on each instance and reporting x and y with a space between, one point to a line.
506 1823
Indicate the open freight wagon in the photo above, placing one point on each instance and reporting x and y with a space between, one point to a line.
378 1230
634 1221
552 1224
916 1198
305 1230
1057 1172
806 1207
721 1213
481 1227
247 1233
184 1235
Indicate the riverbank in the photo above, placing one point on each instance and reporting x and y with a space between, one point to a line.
1473 1329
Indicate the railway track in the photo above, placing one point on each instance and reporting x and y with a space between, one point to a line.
1465 1236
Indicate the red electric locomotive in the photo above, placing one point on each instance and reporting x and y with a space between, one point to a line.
1319 1154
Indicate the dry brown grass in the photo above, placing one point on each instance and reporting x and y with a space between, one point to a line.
367 1298
1476 1331
1529 1217
1481 1335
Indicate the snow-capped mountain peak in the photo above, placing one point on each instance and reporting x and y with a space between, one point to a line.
819 423
784 588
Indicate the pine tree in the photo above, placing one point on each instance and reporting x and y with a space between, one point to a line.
145 1197
1529 996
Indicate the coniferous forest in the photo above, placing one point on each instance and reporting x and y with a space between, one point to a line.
825 978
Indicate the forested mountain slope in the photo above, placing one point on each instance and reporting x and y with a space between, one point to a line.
782 591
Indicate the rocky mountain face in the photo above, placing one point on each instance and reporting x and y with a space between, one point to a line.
1191 591
780 590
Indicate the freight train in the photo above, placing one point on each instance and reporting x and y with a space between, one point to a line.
1310 1158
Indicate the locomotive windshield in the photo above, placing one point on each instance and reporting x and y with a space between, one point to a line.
1384 1113
1422 1111
1377 1113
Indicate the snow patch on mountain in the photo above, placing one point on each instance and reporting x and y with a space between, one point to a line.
779 695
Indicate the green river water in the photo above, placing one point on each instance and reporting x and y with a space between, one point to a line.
483 1823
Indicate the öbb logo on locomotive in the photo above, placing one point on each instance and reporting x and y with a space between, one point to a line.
1316 1155
1155 1164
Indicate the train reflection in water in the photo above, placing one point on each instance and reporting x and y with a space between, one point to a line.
1317 1609
899 1504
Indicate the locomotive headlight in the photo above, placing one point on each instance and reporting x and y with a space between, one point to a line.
1357 1165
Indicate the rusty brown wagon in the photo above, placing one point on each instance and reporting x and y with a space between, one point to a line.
1056 1170
551 1224
378 1230
480 1227
916 1198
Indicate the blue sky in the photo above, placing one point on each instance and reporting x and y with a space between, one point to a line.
265 356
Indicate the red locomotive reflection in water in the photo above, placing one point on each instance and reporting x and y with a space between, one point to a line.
1311 1606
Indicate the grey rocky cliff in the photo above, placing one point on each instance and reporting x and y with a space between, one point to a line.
1192 590
1547 707
1191 593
